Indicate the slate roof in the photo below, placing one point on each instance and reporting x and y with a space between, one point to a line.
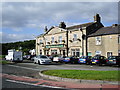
78 26
107 31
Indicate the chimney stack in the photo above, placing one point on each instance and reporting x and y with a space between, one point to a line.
114 25
62 25
97 18
46 29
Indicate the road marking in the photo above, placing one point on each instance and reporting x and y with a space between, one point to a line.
24 67
32 84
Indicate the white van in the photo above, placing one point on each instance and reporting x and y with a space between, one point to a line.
14 55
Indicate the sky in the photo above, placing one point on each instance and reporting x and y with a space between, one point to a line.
26 20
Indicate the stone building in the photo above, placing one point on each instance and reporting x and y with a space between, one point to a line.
105 41
75 40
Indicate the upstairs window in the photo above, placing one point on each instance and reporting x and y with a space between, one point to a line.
41 41
74 37
52 39
46 41
60 39
98 40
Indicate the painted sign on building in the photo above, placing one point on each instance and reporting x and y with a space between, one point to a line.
55 46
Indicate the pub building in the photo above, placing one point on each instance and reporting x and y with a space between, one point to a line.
79 40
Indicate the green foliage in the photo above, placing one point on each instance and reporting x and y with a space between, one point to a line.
85 74
26 46
2 56
4 62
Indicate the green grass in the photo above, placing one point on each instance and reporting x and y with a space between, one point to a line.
84 74
2 56
4 62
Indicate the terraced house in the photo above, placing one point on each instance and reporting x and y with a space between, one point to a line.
78 40
105 41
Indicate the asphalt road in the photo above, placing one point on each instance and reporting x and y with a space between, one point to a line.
11 84
29 69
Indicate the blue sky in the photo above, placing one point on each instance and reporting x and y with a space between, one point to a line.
25 20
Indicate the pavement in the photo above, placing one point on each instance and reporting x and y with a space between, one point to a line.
59 84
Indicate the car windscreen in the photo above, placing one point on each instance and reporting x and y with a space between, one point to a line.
43 57
118 57
113 57
102 57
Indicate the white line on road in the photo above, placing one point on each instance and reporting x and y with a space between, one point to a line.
24 67
31 84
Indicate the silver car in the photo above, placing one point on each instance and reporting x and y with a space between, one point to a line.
42 59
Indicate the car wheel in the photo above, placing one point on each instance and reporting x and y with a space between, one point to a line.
73 62
87 63
100 64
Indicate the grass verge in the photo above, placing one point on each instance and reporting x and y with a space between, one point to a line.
85 74
4 62
2 56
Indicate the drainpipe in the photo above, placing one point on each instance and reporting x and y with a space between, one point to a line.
82 42
67 41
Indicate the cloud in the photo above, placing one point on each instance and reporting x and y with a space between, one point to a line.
14 37
26 14
17 16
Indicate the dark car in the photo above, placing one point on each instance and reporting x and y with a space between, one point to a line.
70 60
113 60
26 57
98 60
85 59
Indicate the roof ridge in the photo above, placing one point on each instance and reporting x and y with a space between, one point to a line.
80 24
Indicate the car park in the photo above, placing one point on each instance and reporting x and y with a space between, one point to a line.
113 60
98 60
85 59
42 59
70 60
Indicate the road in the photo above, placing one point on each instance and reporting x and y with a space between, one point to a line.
29 69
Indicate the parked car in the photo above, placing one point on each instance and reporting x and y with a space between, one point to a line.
113 60
51 57
85 59
58 59
99 60
42 59
28 57
32 58
70 60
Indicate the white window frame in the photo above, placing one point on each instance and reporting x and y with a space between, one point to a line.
109 54
41 41
52 40
74 37
60 39
98 40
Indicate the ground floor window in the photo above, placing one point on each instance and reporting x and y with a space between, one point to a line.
118 52
40 52
75 52
53 51
109 54
47 52
89 54
63 52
